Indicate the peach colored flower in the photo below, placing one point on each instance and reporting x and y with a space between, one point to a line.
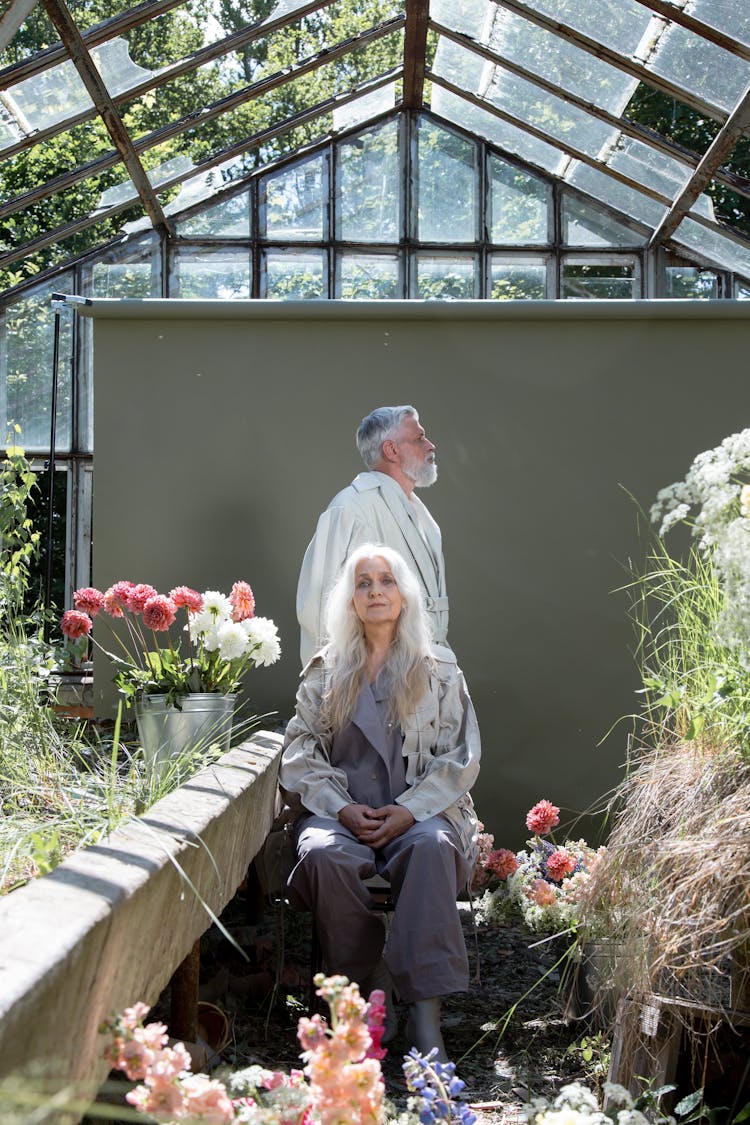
243 601
185 596
311 1032
162 1099
560 863
542 893
158 613
502 862
75 624
139 595
88 600
542 818
206 1100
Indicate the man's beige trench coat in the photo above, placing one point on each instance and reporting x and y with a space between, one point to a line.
372 509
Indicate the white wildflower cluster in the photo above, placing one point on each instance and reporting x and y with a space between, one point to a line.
714 500
575 1104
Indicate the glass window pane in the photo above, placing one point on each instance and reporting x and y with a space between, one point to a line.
598 281
229 219
741 292
517 280
368 186
209 274
713 245
293 202
447 182
618 196
27 366
368 277
726 15
365 108
294 275
505 136
445 276
584 224
520 205
691 282
619 24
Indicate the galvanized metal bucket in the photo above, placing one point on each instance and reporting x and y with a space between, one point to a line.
202 720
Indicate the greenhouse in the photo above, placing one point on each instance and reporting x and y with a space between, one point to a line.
231 230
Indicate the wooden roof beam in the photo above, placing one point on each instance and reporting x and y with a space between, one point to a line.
713 158
70 37
415 52
690 23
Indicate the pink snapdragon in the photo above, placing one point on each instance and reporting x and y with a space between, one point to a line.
376 1024
560 863
75 624
542 818
88 600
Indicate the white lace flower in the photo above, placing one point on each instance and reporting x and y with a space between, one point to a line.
264 636
233 640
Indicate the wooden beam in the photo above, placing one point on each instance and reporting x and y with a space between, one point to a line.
415 52
70 37
716 153
690 23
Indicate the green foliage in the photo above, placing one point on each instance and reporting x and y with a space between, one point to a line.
19 541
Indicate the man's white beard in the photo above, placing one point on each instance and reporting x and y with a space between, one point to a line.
423 475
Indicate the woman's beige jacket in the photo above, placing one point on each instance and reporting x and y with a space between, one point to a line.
441 747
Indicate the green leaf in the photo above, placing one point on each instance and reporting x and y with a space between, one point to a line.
687 1103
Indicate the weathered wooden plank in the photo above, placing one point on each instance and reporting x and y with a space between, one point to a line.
110 924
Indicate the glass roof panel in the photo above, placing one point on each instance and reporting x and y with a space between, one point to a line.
713 245
613 194
501 133
38 32
585 224
642 163
540 52
725 15
701 67
43 100
619 24
41 164
229 219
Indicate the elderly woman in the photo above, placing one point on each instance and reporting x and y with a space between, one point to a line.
378 760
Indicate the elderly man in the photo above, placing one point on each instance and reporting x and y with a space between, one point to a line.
378 506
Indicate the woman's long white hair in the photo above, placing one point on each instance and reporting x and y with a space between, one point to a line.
407 668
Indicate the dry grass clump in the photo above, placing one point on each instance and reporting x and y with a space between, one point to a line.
674 886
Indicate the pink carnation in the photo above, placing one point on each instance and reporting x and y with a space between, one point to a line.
243 601
117 598
560 864
542 893
139 595
542 818
501 862
158 613
75 624
185 596
88 600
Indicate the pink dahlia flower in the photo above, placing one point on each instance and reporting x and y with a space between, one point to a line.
542 818
243 601
88 600
75 624
139 595
184 596
158 613
501 862
560 864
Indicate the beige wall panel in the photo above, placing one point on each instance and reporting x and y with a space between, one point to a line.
222 430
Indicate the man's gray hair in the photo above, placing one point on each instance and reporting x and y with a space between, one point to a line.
377 427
